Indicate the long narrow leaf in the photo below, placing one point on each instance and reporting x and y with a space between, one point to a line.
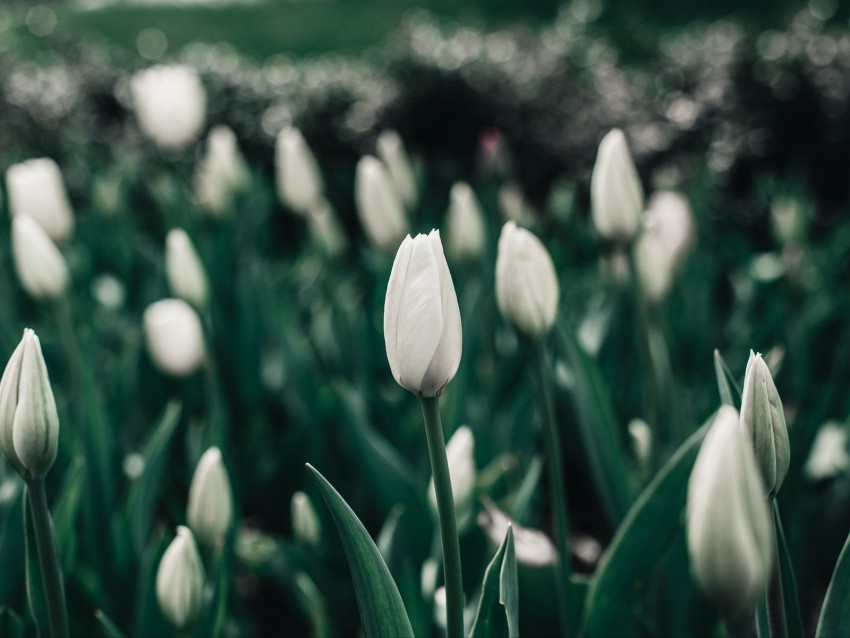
793 616
835 613
725 381
498 607
65 513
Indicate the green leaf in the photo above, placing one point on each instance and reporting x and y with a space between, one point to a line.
381 609
34 582
11 624
725 381
110 629
312 603
641 540
148 620
835 613
793 616
522 499
498 607
65 513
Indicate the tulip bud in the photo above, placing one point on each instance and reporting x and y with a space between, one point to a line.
616 194
422 328
210 508
763 419
29 424
379 205
465 224
221 172
185 272
171 105
306 526
180 581
36 188
174 337
299 182
729 527
391 152
41 268
829 454
526 284
641 436
460 452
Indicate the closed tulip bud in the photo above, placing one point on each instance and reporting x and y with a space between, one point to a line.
526 284
306 527
460 453
221 173
186 276
616 194
379 205
180 581
729 527
391 152
299 182
464 224
40 266
36 188
210 508
641 436
422 328
174 337
29 424
170 104
763 419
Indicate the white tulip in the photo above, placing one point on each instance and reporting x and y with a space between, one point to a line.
186 276
306 527
379 205
221 172
616 194
464 224
641 436
170 104
41 268
829 454
390 150
512 204
526 285
299 181
729 526
460 452
36 188
174 337
422 328
209 511
533 547
180 581
29 424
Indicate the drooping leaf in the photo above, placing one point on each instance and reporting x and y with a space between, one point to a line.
498 607
835 612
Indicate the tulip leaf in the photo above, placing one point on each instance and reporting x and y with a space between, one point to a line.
382 611
148 621
793 615
835 613
725 381
498 607
11 624
65 513
110 629
639 543
312 603
34 581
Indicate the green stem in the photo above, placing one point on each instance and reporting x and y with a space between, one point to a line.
446 513
51 570
554 464
775 596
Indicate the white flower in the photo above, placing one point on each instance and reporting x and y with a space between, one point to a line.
210 508
36 188
829 455
464 224
641 436
616 194
299 181
29 424
41 268
460 452
422 328
533 547
174 337
306 527
526 284
512 204
729 527
378 204
180 581
186 276
221 172
390 150
170 104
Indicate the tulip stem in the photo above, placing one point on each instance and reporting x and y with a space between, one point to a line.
51 570
446 514
552 439
775 596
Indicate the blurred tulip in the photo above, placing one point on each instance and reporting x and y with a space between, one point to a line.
464 224
533 547
616 194
830 455
306 527
209 512
422 328
186 276
221 173
391 151
324 228
174 337
379 205
41 268
512 204
299 181
36 188
641 436
460 452
180 581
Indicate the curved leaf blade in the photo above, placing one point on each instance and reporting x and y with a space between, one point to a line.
835 613
498 607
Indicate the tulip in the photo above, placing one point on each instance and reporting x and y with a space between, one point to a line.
422 328
180 581
174 337
729 527
379 205
210 508
460 452
170 104
299 182
391 152
512 204
185 272
324 228
40 266
221 172
306 527
533 548
763 420
29 424
641 436
616 194
829 455
465 224
36 188
526 284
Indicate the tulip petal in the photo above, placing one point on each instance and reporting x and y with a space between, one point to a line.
392 303
8 404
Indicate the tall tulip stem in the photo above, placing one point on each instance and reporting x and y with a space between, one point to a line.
775 596
446 513
554 464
